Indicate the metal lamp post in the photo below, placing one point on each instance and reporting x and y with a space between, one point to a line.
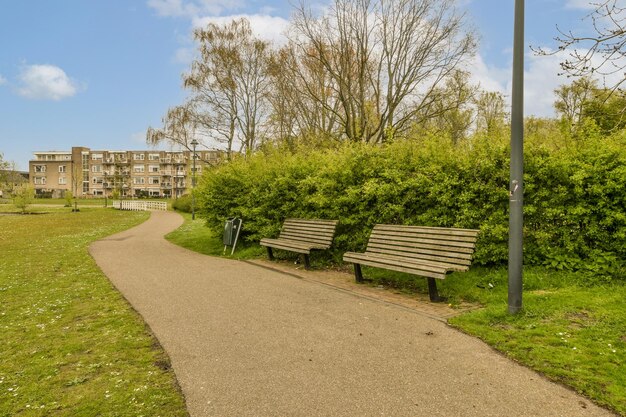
104 188
194 143
516 194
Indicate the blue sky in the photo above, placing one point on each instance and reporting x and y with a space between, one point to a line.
97 73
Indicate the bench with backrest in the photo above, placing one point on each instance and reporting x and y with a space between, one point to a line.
302 236
430 252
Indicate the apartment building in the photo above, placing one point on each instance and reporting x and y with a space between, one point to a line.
99 173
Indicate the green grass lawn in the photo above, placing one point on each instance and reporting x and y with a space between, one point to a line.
70 344
571 332
195 236
572 327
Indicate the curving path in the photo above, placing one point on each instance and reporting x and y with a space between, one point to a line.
248 341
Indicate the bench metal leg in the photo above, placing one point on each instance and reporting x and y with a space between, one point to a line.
307 263
432 291
358 274
270 255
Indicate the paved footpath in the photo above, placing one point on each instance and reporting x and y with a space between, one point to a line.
248 341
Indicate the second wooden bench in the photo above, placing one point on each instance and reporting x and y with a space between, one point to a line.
430 252
302 236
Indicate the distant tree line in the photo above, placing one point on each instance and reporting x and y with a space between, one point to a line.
373 71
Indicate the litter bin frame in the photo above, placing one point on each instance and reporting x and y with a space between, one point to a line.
232 227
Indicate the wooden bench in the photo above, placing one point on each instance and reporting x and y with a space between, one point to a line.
302 236
430 252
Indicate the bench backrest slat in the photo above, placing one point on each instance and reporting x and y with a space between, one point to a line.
319 232
449 246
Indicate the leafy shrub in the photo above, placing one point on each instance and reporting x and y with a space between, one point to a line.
182 203
575 196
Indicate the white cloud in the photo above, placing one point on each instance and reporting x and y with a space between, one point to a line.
490 78
270 28
192 8
540 80
184 55
581 4
46 82
2 80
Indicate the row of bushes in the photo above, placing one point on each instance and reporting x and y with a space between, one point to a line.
574 203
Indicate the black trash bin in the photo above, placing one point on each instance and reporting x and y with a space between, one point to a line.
231 232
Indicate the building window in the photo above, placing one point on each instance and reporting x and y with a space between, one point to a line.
62 180
62 168
153 168
40 180
40 168
96 168
153 156
85 187
139 168
138 156
153 180
96 180
98 192
139 180
96 157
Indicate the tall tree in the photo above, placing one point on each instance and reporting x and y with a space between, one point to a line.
452 111
303 99
228 84
384 60
572 99
491 112
584 99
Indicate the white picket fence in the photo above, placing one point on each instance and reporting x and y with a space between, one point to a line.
138 205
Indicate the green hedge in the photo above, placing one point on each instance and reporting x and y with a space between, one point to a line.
575 196
182 203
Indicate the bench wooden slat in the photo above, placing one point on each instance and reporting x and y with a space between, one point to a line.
324 236
310 221
403 261
288 245
408 237
426 236
318 226
421 249
290 242
452 262
319 242
321 224
323 229
422 270
431 230
423 246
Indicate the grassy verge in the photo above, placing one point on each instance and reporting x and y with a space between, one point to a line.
573 333
571 330
71 345
195 236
